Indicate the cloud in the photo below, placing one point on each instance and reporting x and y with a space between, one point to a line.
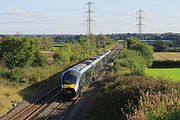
19 12
33 15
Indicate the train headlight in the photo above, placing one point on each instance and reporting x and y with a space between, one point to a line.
69 86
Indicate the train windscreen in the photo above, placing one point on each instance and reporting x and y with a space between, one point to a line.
70 77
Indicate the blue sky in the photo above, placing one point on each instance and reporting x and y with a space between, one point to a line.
67 16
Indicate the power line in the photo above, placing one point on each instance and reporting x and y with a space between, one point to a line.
89 17
140 19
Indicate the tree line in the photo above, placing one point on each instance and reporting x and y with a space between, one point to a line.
16 51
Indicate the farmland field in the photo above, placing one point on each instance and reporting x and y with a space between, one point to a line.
162 56
172 74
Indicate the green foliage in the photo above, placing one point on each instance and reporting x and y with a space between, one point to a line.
85 42
146 51
13 76
130 59
76 56
166 64
134 98
132 41
45 43
102 41
18 51
143 48
160 46
176 43
63 55
39 60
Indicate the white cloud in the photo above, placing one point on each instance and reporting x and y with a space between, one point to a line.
19 12
33 15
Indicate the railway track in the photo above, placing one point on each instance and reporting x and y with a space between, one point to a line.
63 114
35 108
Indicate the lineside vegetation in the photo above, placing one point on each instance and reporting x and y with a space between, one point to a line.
127 94
24 62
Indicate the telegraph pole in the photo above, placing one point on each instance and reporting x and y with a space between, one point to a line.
89 18
140 19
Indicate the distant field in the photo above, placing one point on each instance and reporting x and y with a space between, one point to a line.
162 56
172 74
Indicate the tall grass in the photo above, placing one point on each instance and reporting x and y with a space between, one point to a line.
8 95
12 81
156 106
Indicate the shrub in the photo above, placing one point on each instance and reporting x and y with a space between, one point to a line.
160 46
12 76
63 55
166 64
39 60
136 98
130 59
146 51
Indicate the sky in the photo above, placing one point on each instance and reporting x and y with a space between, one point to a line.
67 16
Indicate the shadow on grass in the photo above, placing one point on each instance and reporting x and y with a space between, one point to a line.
32 93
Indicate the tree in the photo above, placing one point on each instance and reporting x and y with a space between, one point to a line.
132 41
18 51
130 59
64 54
76 56
176 43
45 43
102 41
85 43
146 51
39 60
160 46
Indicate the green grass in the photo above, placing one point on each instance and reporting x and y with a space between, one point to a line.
171 73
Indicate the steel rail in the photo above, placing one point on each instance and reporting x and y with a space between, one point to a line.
20 113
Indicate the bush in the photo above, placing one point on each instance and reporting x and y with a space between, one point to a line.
39 60
130 59
160 46
146 51
135 98
12 76
63 55
166 64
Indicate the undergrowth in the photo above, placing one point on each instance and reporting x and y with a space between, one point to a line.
136 98
12 81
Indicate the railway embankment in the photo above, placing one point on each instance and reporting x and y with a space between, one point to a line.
128 94
20 86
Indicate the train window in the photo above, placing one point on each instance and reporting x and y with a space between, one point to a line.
69 77
88 74
82 79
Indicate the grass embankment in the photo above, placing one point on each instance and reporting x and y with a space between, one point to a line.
171 74
19 79
127 94
11 82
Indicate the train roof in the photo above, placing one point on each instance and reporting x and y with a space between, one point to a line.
85 65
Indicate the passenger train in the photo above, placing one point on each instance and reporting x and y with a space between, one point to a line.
75 78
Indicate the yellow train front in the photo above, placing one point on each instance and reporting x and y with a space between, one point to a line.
69 84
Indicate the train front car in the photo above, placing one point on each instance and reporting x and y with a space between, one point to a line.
68 81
